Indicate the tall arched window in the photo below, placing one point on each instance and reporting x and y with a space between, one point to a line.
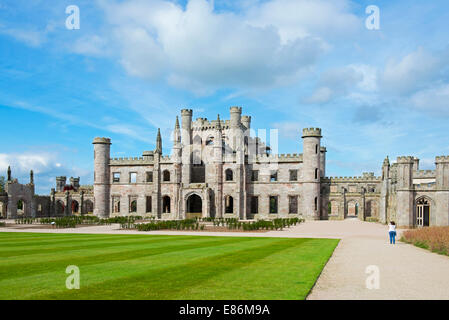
422 212
229 175
273 204
133 206
166 204
75 206
166 175
229 204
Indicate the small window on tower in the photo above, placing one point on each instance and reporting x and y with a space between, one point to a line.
255 175
274 176
149 176
116 177
293 175
210 141
133 177
273 204
229 175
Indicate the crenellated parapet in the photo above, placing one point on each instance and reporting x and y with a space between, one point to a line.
130 161
166 159
442 159
186 112
424 174
311 132
405 160
357 179
277 158
235 109
101 140
202 124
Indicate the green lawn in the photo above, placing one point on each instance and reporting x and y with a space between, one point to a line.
32 266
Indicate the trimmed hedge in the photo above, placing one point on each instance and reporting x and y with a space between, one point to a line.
230 223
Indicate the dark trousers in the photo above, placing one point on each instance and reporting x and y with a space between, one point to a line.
392 237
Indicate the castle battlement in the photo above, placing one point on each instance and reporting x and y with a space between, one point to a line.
186 112
273 158
424 174
101 140
364 178
311 132
130 161
202 124
442 159
405 159
236 109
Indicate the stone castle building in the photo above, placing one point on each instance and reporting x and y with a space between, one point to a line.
218 169
19 200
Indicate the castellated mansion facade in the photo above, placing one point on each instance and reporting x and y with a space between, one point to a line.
218 169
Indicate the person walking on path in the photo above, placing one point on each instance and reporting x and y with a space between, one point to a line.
392 232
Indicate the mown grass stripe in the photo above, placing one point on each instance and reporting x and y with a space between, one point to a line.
180 276
108 270
85 257
54 248
166 267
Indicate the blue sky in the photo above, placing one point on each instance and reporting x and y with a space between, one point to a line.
290 64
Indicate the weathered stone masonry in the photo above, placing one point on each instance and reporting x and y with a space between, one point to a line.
219 169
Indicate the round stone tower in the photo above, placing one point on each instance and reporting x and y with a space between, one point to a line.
311 173
236 133
102 181
236 117
186 142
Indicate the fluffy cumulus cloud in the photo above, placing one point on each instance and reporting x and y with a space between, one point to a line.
434 100
343 81
413 72
200 49
421 80
418 80
46 166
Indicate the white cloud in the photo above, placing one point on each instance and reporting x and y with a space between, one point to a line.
288 129
199 49
348 80
433 100
301 18
29 37
45 166
92 45
412 72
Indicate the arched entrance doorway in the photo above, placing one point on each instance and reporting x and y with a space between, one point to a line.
75 206
21 208
353 209
194 206
88 206
422 212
